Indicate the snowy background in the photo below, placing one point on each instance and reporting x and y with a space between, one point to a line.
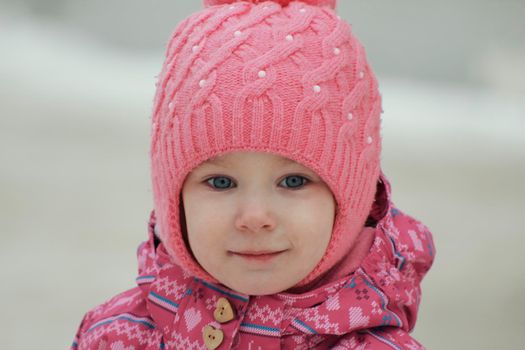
76 88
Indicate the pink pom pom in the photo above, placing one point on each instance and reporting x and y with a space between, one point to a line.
330 3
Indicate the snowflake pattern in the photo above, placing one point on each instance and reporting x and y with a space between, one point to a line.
170 288
376 309
264 314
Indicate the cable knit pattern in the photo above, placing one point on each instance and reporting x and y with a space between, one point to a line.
282 77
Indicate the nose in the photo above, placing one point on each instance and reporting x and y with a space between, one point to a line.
255 216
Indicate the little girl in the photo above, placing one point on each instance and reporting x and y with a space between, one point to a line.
273 225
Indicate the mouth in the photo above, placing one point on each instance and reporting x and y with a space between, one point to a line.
263 255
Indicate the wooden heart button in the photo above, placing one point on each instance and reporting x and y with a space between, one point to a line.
224 311
212 337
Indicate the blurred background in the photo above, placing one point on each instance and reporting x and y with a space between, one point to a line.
77 80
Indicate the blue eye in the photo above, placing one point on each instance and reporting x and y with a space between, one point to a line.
219 182
223 183
294 181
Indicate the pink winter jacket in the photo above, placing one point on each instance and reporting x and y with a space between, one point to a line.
374 307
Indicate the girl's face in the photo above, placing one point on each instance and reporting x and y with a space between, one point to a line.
257 222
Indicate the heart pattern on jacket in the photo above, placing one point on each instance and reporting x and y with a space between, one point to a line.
192 318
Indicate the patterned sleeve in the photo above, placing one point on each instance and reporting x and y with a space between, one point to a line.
81 329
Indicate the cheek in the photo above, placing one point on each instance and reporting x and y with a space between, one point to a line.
328 208
321 213
193 221
205 226
313 226
202 242
196 213
322 222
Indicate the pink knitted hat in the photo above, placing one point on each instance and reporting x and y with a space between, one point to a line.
286 77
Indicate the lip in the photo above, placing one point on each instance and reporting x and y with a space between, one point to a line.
263 255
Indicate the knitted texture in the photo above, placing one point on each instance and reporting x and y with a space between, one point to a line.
293 81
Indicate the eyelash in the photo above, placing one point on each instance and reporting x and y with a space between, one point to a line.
292 188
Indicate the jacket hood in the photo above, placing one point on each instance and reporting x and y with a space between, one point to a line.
382 290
